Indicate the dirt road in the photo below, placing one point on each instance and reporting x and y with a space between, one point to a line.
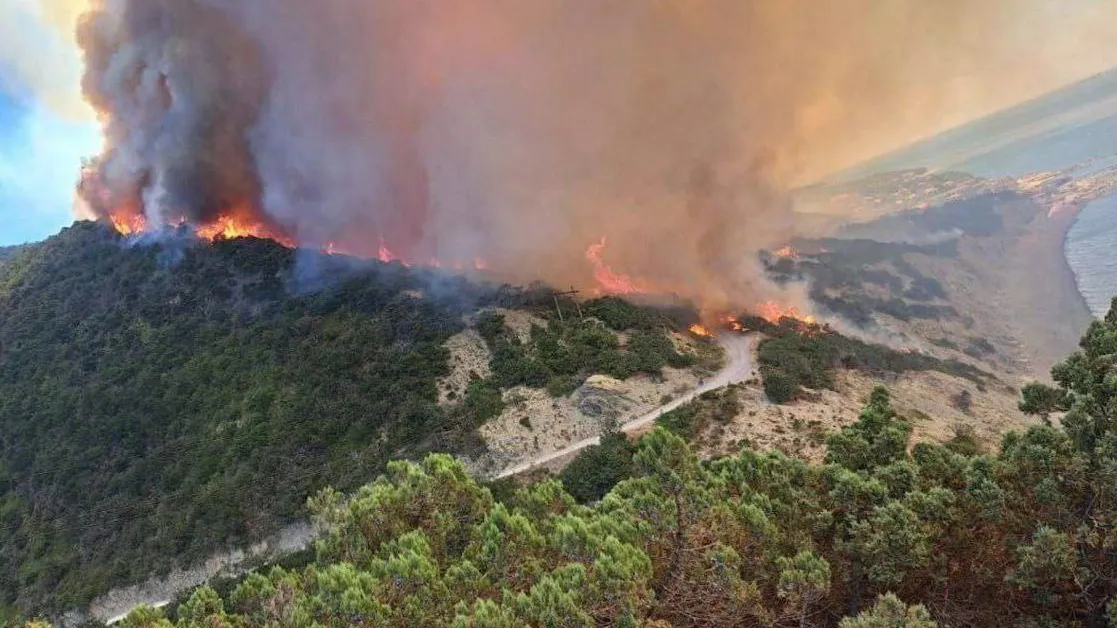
157 592
738 368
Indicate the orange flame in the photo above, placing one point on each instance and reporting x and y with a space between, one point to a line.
773 312
787 252
610 281
384 254
231 226
699 330
128 224
733 324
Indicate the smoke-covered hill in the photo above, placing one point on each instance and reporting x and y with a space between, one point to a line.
159 402
162 401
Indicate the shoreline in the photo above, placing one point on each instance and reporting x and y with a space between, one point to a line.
1078 212
1049 307
1066 258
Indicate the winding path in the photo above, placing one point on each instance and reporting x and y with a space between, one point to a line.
738 368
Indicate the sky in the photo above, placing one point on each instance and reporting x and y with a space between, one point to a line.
46 129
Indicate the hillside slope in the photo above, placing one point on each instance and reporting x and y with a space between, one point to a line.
158 402
982 279
163 401
6 252
883 532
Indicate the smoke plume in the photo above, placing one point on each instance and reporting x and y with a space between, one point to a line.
520 132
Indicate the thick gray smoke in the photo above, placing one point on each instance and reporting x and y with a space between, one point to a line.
183 85
518 132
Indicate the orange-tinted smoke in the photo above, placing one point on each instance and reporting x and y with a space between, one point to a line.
524 132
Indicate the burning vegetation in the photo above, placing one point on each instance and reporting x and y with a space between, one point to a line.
471 130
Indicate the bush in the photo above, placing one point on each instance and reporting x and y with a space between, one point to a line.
564 385
963 401
620 315
598 468
692 418
483 401
560 356
780 387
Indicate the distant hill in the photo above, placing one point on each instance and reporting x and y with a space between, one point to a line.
1068 126
6 252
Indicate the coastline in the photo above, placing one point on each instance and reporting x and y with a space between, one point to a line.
1109 201
1048 306
1066 256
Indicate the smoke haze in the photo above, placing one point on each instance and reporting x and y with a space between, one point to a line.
521 132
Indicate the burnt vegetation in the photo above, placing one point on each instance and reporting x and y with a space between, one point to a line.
796 357
856 279
866 271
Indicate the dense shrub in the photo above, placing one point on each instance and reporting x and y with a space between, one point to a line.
620 315
692 418
598 468
561 355
780 387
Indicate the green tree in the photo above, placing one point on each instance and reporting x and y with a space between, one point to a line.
598 468
890 612
891 542
804 581
437 497
146 617
878 437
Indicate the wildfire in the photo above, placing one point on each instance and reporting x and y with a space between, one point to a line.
772 312
786 252
231 226
128 224
699 330
611 282
733 324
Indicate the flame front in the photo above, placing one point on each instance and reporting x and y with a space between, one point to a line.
733 324
772 312
610 281
232 226
127 223
699 330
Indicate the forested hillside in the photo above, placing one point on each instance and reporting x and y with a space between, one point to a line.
880 535
7 252
161 401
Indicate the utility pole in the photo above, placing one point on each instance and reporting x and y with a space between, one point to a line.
572 293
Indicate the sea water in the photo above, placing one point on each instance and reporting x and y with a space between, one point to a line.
1091 250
